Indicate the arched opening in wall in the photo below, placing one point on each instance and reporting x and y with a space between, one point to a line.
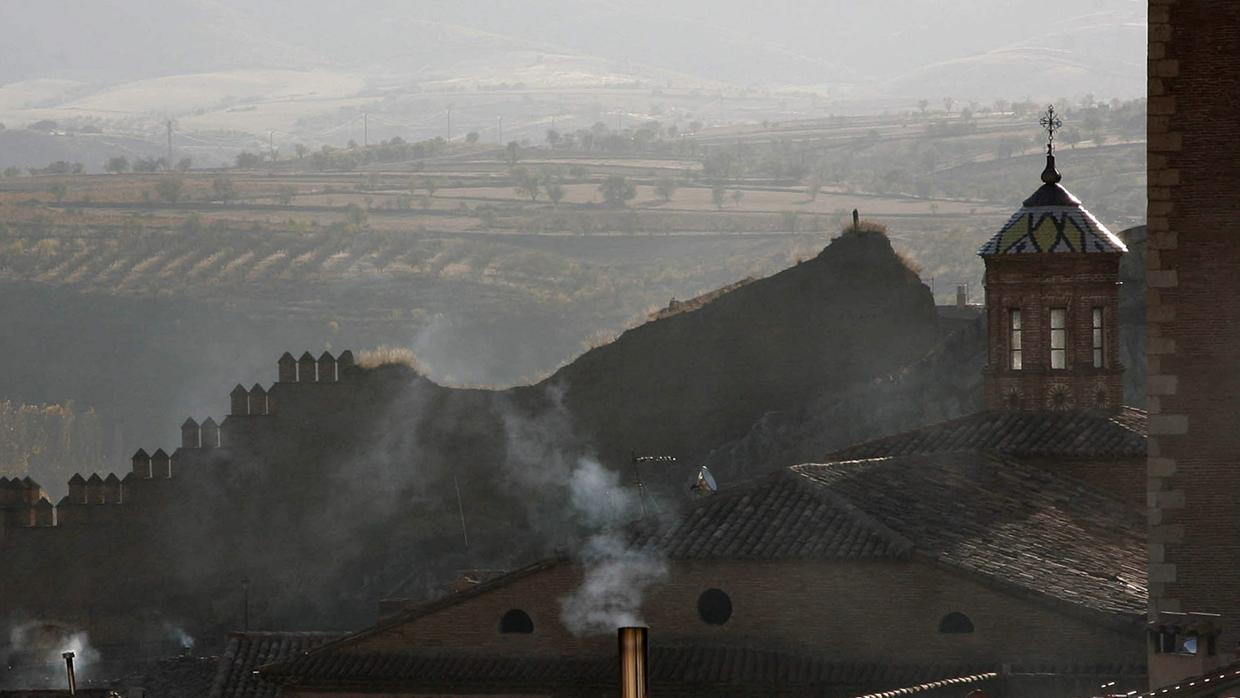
714 606
516 621
955 622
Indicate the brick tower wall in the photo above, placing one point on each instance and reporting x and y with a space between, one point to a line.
1194 316
1035 283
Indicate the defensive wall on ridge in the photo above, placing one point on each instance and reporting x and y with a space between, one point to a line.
79 563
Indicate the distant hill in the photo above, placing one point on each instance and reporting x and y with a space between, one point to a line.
24 148
964 49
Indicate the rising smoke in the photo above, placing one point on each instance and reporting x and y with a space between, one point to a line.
616 579
543 456
35 658
616 574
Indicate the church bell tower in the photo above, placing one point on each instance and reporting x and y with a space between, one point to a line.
1052 291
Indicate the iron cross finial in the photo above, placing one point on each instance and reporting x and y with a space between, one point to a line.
1051 123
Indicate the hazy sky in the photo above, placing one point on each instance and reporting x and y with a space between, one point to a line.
887 46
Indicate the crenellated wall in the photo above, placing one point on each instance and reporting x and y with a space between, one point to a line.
97 499
173 522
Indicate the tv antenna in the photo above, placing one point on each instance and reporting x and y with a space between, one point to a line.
637 474
705 484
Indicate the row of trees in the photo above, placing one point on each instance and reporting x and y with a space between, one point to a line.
50 442
331 158
617 190
121 164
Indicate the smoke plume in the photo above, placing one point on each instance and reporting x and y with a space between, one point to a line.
616 579
616 574
36 651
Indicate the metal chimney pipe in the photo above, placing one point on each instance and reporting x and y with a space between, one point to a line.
634 682
69 668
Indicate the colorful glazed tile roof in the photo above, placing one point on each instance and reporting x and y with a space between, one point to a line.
1052 220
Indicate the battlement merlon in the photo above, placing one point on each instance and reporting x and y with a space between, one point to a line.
307 369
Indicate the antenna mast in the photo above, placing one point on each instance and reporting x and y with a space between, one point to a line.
461 508
637 474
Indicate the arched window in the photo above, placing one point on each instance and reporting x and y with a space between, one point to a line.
516 621
955 622
715 606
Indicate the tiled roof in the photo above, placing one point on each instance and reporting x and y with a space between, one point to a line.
56 693
1014 524
1212 683
1052 220
933 685
172 677
782 517
669 666
237 677
1060 433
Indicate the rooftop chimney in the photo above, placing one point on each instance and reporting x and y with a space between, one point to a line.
69 668
634 682
962 295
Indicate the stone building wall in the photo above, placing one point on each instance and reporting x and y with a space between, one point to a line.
1194 316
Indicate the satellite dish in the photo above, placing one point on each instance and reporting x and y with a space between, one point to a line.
705 483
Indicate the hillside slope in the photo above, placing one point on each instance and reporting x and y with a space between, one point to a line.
943 384
687 383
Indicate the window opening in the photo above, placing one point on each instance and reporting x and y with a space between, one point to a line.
1015 359
1059 338
516 621
714 606
955 622
1097 338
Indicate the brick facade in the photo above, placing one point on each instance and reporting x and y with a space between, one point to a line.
1194 319
865 611
1034 284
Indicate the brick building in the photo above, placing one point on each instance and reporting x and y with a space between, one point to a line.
1052 301
1194 327
999 543
820 580
1053 381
